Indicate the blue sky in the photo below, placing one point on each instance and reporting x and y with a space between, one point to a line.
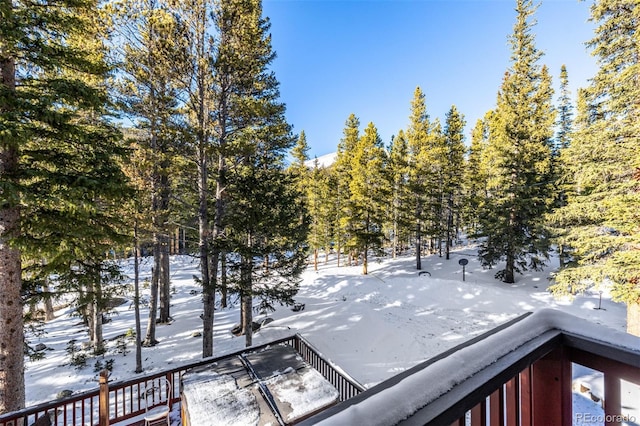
336 57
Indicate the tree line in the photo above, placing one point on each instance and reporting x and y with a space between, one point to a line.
122 122
539 174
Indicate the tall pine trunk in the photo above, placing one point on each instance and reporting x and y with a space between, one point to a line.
208 296
136 297
395 237
12 392
509 270
223 280
315 259
418 246
246 289
365 259
49 313
163 239
247 319
150 338
96 329
164 281
449 224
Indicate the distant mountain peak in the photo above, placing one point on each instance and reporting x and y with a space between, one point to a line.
323 161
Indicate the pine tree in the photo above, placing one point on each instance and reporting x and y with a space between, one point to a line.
257 205
320 214
57 161
434 187
343 175
368 192
418 135
602 166
204 94
298 168
475 175
149 88
454 171
399 212
266 225
565 113
137 218
519 149
12 333
300 154
563 138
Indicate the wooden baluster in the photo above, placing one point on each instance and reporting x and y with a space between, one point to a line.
512 403
479 414
496 408
526 396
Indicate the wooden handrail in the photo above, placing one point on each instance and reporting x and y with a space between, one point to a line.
114 402
528 382
522 377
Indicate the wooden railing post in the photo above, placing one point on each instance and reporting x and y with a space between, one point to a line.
612 399
103 413
551 386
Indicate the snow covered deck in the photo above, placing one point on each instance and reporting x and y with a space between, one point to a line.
300 379
270 386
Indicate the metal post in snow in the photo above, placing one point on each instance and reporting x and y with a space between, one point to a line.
463 262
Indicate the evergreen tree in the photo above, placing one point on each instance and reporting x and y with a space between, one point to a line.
519 149
476 175
60 177
399 210
368 192
266 225
204 93
299 169
257 205
343 175
562 142
11 308
149 88
602 166
300 154
139 222
434 187
320 214
565 113
418 135
454 171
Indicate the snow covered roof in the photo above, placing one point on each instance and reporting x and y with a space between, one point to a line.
271 386
399 399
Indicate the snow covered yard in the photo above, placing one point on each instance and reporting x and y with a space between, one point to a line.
372 326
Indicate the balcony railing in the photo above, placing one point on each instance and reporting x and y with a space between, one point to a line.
517 374
120 401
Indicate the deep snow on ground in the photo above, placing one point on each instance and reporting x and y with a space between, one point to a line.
372 326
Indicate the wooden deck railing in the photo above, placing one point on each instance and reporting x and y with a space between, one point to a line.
523 378
120 401
517 374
